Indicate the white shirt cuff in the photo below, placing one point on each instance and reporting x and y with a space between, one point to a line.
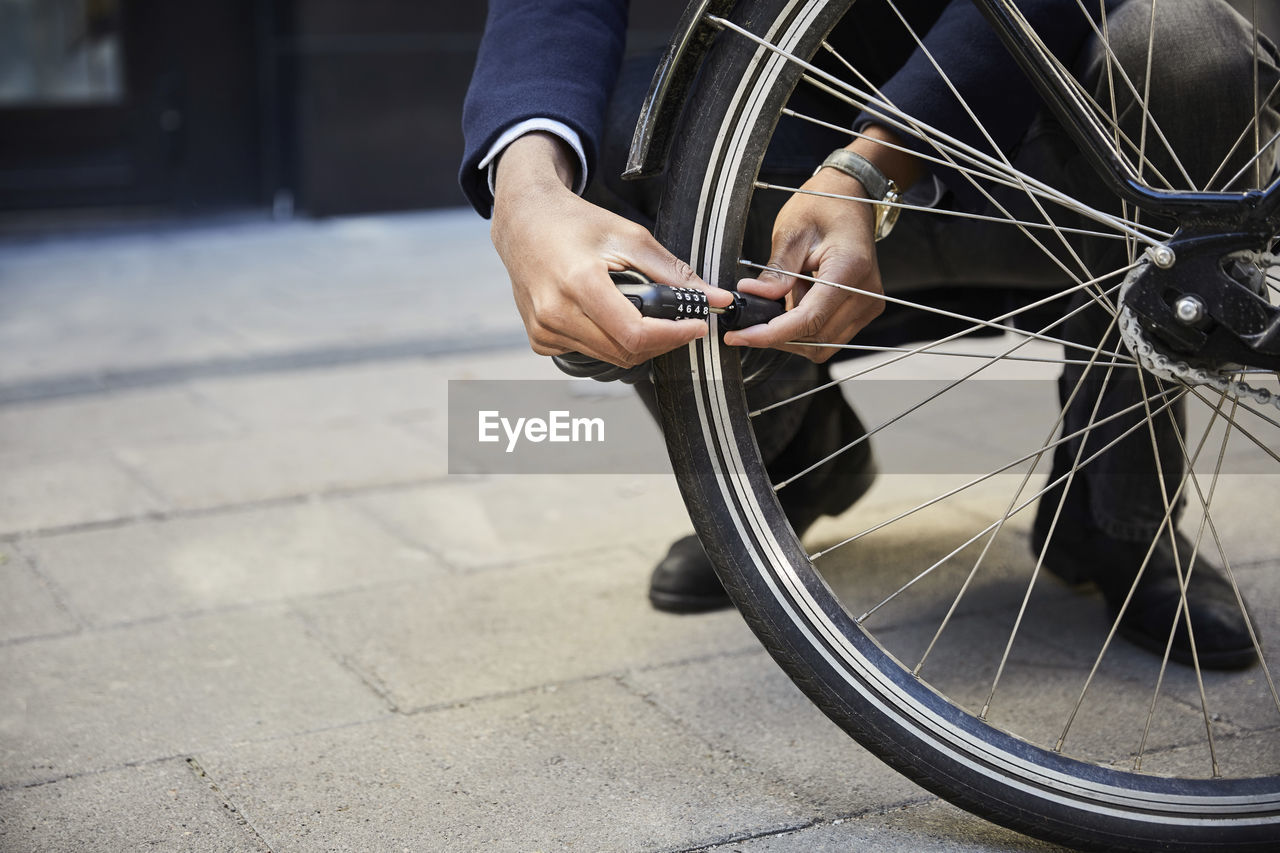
558 128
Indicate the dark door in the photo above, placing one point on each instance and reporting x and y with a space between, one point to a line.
128 102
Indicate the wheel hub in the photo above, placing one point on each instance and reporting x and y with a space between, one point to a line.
1209 309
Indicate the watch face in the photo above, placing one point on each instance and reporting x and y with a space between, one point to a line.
887 215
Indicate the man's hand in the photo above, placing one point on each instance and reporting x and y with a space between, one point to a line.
829 239
832 239
559 249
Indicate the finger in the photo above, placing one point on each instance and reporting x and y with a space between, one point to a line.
824 314
789 254
807 321
651 258
631 336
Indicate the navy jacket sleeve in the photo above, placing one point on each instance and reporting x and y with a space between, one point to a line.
985 73
554 59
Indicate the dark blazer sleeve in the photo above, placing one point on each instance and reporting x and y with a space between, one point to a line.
985 73
554 59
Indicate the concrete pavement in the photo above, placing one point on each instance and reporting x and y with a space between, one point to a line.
244 606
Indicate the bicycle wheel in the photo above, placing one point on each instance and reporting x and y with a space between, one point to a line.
968 669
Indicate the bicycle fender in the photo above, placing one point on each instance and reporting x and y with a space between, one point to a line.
660 115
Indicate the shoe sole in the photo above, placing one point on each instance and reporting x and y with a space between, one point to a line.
673 603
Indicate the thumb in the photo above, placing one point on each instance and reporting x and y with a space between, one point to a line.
653 259
774 282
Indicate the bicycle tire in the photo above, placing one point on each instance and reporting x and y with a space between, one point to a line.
838 664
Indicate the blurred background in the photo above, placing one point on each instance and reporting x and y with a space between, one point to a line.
318 107
244 604
322 107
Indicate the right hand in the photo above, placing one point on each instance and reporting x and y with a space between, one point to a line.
559 250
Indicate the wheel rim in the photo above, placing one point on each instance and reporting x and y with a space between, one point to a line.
858 654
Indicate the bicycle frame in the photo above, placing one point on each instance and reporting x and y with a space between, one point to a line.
1254 212
1261 208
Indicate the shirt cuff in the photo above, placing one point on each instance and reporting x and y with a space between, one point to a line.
557 128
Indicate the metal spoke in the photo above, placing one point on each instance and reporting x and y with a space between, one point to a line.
938 211
885 112
1146 560
1251 127
982 128
954 336
982 479
1177 564
955 604
953 150
941 312
1257 108
1254 161
869 348
1113 61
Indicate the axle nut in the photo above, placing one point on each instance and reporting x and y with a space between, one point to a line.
1162 256
1189 309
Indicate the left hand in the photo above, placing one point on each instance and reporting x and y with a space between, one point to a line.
832 239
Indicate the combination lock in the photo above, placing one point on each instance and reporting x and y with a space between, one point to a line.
666 302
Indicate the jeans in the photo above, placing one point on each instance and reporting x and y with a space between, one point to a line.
1202 79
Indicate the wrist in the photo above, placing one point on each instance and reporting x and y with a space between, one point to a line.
901 167
537 159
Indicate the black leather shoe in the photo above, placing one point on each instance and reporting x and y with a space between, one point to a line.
685 582
1082 553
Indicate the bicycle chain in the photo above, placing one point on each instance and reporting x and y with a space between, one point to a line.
1171 369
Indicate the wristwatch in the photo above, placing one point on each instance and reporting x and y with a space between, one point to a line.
880 189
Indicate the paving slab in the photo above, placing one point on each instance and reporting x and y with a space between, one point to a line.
436 642
588 766
745 705
244 290
509 518
161 806
49 491
122 419
283 463
182 565
28 608
934 826
97 700
412 391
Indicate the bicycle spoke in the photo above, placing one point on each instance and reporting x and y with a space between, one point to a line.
955 604
948 353
979 480
1257 129
1207 520
1251 127
1057 514
1255 160
954 152
1164 662
955 383
1004 159
1183 610
884 111
1146 560
937 211
927 347
1114 64
941 312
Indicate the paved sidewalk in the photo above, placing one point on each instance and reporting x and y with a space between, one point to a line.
244 607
